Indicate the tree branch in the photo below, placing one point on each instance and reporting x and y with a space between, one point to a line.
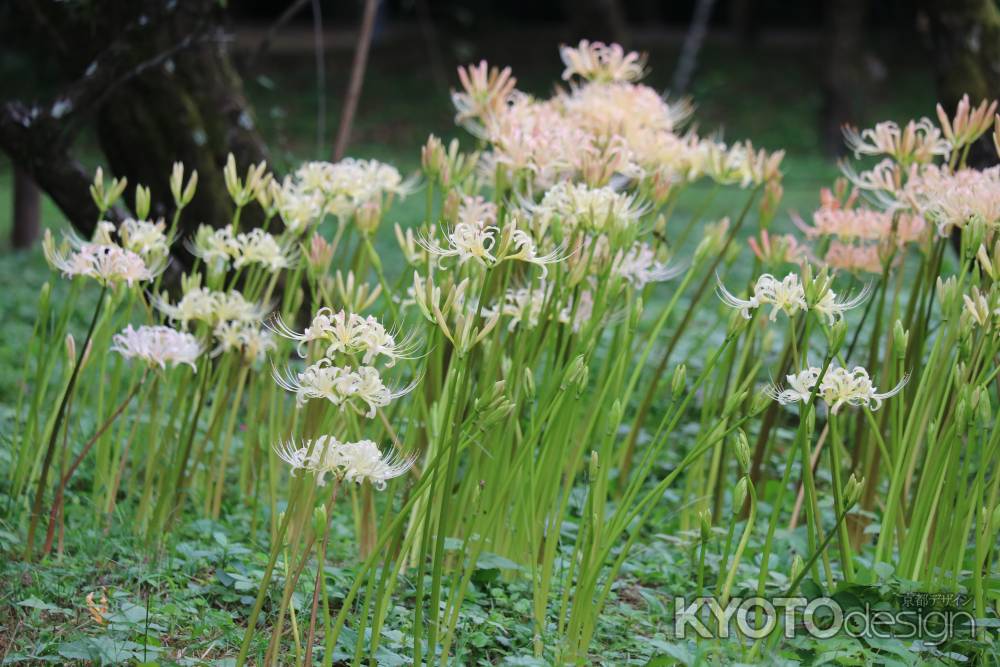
357 78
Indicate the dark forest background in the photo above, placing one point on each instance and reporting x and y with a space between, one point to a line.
134 85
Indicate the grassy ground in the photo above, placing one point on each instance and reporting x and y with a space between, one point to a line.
185 605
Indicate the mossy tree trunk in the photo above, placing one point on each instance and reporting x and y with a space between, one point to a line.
154 78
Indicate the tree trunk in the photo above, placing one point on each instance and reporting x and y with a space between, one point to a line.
156 79
27 211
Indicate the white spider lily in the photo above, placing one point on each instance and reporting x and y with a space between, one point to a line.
833 310
259 247
786 295
977 306
345 333
639 266
466 241
201 304
197 304
362 461
917 141
251 340
232 305
351 461
523 306
157 345
839 387
574 205
525 251
107 263
215 247
299 208
145 238
341 385
596 61
800 386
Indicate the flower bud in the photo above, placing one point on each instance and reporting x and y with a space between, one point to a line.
973 235
986 263
973 394
797 566
852 491
595 465
740 494
432 157
450 206
678 381
900 340
583 380
412 252
705 523
319 519
356 295
142 202
230 177
189 190
660 224
245 191
985 410
70 348
949 296
319 255
743 450
838 335
529 383
368 216
44 296
615 416
182 195
103 196
573 372
962 412
177 182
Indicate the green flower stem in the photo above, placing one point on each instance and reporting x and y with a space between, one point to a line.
36 506
741 547
836 444
60 491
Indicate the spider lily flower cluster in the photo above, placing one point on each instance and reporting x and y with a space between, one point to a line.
158 345
348 334
340 189
221 250
357 462
839 387
342 336
605 124
536 317
103 259
788 296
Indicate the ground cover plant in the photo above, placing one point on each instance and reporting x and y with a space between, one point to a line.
467 456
